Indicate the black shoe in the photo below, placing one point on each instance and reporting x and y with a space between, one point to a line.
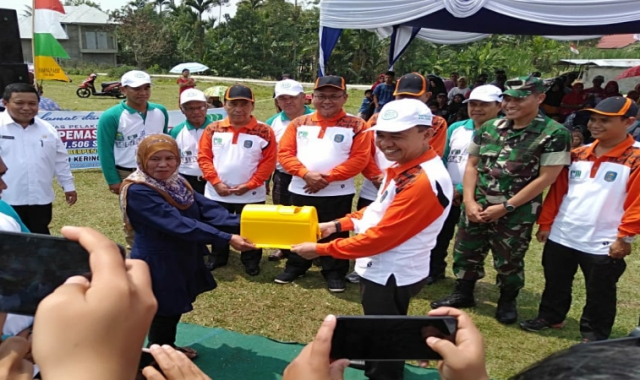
336 285
211 265
539 324
435 278
252 271
507 310
286 277
461 297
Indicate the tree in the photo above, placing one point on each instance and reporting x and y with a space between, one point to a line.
161 3
200 6
82 2
27 11
135 26
251 4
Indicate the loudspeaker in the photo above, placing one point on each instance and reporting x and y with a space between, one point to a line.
13 73
10 45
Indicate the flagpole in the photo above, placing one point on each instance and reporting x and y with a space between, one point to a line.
33 42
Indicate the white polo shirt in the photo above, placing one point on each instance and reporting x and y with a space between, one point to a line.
244 156
594 200
396 233
34 156
187 136
456 154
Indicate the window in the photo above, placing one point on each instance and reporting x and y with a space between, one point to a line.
98 40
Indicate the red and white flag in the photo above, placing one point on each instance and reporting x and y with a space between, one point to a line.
574 49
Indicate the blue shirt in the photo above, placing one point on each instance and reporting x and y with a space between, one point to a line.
366 102
384 93
47 104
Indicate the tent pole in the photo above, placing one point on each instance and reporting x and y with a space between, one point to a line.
33 42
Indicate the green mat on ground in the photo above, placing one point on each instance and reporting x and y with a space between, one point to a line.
226 355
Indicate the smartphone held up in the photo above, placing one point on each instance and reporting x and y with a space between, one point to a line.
384 337
32 266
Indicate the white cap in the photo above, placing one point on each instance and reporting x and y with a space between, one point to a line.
486 93
135 78
400 115
192 95
288 87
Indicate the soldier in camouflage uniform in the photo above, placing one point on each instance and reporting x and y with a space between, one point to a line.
511 161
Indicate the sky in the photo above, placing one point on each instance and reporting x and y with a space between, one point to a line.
109 5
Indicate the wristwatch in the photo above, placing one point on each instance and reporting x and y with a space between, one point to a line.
509 207
628 239
338 226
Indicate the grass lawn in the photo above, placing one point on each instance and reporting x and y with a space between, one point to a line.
256 305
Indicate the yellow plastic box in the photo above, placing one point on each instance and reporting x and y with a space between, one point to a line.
275 226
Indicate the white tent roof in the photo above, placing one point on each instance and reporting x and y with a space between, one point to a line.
459 21
81 14
624 63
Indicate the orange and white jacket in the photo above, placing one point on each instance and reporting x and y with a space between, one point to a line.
378 163
337 148
396 233
236 157
595 200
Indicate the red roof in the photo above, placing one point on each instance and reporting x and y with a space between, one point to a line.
616 41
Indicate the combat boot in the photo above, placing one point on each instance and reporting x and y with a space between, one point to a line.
507 311
461 297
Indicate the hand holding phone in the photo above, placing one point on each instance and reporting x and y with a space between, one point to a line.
32 266
86 326
464 358
313 362
390 337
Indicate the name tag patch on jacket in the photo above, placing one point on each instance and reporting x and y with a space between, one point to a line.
5 137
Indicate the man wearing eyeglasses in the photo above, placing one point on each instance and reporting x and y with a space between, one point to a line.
324 151
193 104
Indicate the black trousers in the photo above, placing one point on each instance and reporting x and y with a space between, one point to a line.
438 264
388 299
362 203
328 208
280 193
601 274
163 330
36 217
221 253
198 183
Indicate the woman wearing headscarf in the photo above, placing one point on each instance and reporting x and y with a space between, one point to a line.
553 99
611 89
173 224
436 85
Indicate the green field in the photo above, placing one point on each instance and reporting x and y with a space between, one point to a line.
255 305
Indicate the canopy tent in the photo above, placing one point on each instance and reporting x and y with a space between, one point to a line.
462 21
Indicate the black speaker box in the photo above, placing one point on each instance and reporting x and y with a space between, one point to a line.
10 45
13 73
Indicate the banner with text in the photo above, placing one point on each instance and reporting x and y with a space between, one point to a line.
78 131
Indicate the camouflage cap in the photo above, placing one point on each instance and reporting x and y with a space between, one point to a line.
523 86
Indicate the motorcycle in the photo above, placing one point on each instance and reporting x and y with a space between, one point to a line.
88 88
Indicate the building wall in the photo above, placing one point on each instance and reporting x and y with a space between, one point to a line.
81 50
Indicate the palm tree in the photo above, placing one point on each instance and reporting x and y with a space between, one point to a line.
27 12
252 4
160 3
200 6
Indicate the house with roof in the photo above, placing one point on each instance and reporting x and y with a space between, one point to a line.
90 35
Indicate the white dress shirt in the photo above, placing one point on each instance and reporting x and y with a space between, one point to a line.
34 156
